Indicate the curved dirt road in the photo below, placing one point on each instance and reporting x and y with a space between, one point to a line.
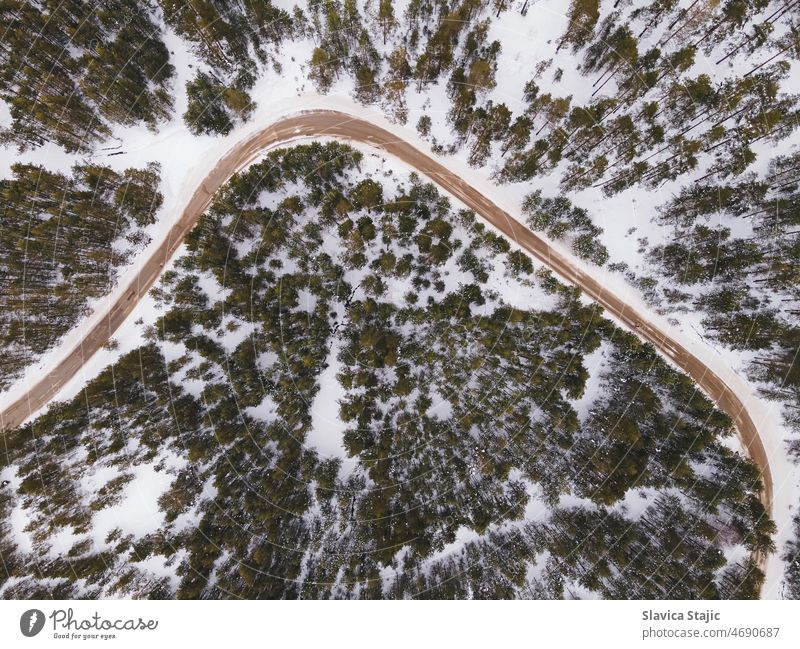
334 124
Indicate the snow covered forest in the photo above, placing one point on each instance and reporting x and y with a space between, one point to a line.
308 280
346 385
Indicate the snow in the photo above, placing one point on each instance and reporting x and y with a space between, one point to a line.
636 501
18 519
189 520
539 32
137 512
5 114
735 553
159 567
306 300
98 476
327 428
185 160
463 536
594 363
235 333
766 416
265 411
211 287
265 360
440 408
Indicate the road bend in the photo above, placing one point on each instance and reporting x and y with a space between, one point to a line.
339 125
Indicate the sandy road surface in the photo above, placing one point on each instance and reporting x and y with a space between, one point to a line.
330 123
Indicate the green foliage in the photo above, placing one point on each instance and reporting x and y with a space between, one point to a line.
558 219
224 35
70 70
60 242
583 16
214 108
454 405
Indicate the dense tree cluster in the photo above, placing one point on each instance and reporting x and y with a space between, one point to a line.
227 35
748 284
557 218
62 239
214 107
666 553
233 39
70 70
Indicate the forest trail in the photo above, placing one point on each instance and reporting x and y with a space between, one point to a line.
341 126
